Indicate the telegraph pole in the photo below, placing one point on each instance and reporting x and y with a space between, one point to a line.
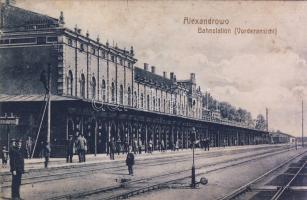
49 104
267 118
302 122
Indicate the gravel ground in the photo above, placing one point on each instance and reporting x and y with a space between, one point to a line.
222 182
219 182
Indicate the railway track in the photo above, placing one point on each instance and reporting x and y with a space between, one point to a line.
83 170
240 193
142 185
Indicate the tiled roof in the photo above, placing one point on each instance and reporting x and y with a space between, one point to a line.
15 17
147 77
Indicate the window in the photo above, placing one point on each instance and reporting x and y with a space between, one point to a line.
121 94
70 83
135 99
129 96
142 100
81 47
159 104
41 40
69 42
153 103
113 92
103 54
52 39
23 40
148 101
121 61
4 41
82 86
93 51
103 87
93 87
112 58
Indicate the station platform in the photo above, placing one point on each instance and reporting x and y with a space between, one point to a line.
38 163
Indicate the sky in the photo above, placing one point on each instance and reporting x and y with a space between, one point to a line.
251 71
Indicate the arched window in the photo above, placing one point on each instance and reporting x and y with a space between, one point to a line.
154 103
103 88
93 83
135 99
70 83
121 94
142 100
113 92
129 96
148 102
82 86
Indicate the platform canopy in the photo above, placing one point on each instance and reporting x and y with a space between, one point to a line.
33 98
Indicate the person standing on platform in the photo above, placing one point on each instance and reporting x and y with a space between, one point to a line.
140 147
46 153
130 162
135 145
70 149
16 167
112 148
126 145
118 145
4 156
29 145
81 146
162 145
177 145
208 143
85 148
150 146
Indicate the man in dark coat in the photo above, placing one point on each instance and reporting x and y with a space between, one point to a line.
70 149
112 148
16 167
46 153
130 162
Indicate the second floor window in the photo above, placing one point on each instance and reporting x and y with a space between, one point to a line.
82 86
103 87
93 87
70 83
121 94
113 92
129 96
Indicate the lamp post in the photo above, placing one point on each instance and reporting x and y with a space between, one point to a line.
193 181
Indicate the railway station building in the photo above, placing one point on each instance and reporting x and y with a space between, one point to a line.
98 90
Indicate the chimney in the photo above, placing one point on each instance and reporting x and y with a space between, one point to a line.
153 69
171 75
192 77
164 74
146 66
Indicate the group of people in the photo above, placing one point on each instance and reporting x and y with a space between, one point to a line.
79 146
205 143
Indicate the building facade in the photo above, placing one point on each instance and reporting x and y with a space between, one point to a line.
97 90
